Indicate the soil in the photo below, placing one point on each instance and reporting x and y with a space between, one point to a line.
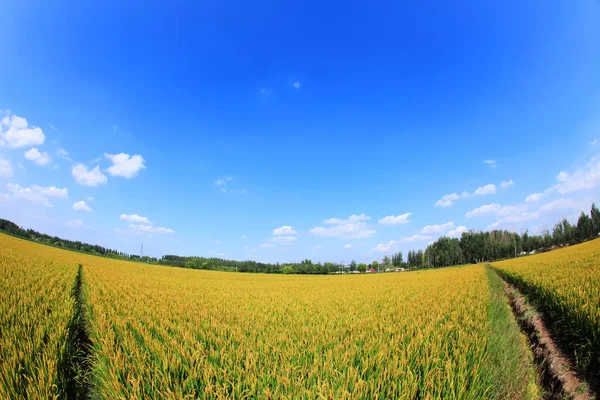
556 370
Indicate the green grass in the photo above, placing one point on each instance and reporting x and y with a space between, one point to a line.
507 349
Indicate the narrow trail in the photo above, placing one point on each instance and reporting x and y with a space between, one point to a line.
79 357
556 371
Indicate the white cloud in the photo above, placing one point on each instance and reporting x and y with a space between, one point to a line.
348 246
62 153
510 215
446 200
351 228
582 179
566 204
37 195
89 198
415 238
51 191
505 184
37 157
457 232
283 239
317 247
125 165
217 242
351 219
266 245
380 248
395 220
75 223
150 228
487 189
594 142
393 244
491 163
222 254
535 197
434 229
5 167
483 210
223 181
265 92
585 178
135 219
243 237
284 230
349 231
28 194
88 178
296 84
16 133
81 206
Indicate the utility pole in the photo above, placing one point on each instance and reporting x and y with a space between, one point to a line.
142 251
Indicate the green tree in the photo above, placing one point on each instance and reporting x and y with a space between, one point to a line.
353 266
386 261
595 213
558 236
585 227
397 260
375 265
568 232
547 238
329 267
362 267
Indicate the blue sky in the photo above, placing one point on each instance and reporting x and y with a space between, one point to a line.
277 132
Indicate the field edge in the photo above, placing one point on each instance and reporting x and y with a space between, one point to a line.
508 351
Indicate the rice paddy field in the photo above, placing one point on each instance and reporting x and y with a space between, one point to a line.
565 285
36 312
160 332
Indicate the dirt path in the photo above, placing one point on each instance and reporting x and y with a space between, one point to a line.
557 373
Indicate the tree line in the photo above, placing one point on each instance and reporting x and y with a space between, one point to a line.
472 247
74 245
477 247
218 264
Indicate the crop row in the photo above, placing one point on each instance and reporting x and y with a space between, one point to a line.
36 315
565 285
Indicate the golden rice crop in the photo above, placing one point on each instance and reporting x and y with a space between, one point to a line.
177 333
36 309
160 332
565 284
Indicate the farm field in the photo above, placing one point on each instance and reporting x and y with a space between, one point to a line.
565 285
36 313
177 333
